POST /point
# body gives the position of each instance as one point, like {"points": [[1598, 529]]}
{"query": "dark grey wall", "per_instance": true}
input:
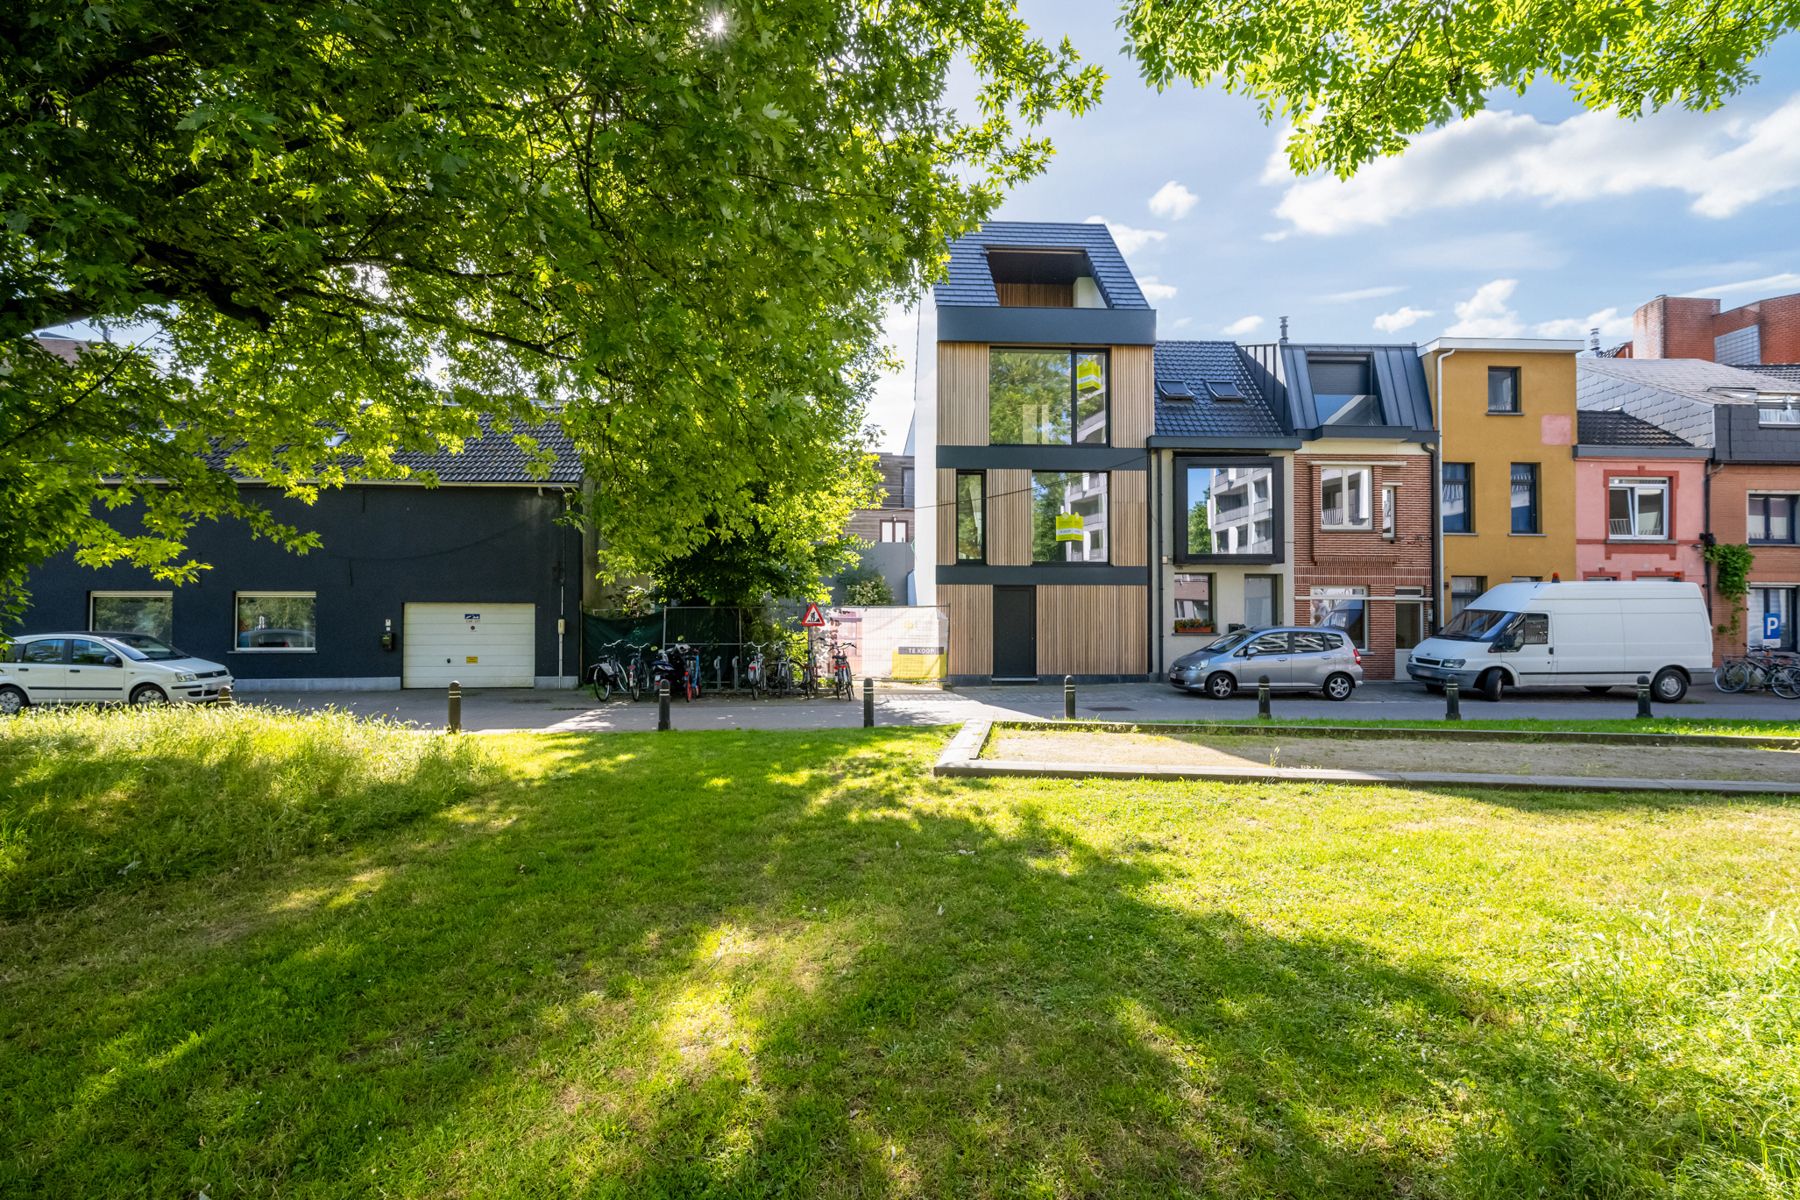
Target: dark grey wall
{"points": [[1739, 438], [383, 547]]}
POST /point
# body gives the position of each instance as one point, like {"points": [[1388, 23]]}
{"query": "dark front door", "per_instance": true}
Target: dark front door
{"points": [[1015, 633]]}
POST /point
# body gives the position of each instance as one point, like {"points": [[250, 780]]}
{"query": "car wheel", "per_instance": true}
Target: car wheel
{"points": [[1669, 686], [12, 701], [1221, 686], [1338, 686], [148, 693], [1598, 690], [1493, 685]]}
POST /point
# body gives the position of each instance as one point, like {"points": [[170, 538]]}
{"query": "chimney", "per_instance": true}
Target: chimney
{"points": [[1284, 331], [1594, 340]]}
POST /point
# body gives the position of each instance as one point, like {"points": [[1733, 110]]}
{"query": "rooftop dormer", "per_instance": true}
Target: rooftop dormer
{"points": [[1026, 283], [1044, 279]]}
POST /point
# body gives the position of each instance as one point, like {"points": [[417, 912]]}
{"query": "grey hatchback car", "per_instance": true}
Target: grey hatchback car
{"points": [[1294, 657]]}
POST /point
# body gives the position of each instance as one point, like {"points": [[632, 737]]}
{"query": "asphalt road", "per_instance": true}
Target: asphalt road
{"points": [[897, 705]]}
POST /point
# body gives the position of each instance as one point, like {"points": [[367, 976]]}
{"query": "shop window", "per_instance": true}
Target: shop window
{"points": [[1459, 501], [277, 621], [1344, 608], [1068, 516], [1046, 397], [971, 516], [133, 612], [1224, 511], [1772, 519], [1344, 498], [1193, 599], [1637, 509]]}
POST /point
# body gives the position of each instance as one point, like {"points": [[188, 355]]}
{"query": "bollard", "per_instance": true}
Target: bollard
{"points": [[1068, 697], [1644, 713], [1262, 698], [225, 700], [454, 721], [662, 705], [1452, 700], [868, 703]]}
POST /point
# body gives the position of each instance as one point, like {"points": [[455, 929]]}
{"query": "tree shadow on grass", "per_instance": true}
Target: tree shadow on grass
{"points": [[743, 965]]}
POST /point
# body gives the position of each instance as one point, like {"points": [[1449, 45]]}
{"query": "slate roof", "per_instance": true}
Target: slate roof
{"points": [[1677, 394], [969, 282], [1786, 371], [1621, 429], [1193, 364]]}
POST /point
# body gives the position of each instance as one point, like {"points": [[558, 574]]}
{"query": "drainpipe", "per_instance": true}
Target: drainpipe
{"points": [[1440, 600], [1153, 556]]}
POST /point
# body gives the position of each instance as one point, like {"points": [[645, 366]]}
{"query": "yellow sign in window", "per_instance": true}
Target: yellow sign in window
{"points": [[1068, 527], [473, 658]]}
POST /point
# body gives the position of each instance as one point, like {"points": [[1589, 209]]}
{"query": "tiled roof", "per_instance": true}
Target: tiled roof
{"points": [[1786, 371], [496, 457], [1676, 394], [970, 283], [1194, 364], [1621, 429]]}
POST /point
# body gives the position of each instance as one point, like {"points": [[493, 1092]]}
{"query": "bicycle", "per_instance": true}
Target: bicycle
{"points": [[753, 670], [613, 674], [1754, 672], [842, 685]]}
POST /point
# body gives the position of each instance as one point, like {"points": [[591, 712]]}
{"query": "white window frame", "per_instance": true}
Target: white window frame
{"points": [[892, 530], [1634, 484], [1390, 511], [1367, 523], [273, 595], [130, 594]]}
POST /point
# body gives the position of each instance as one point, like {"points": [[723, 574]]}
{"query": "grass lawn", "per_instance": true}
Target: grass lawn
{"points": [[1716, 726], [758, 964]]}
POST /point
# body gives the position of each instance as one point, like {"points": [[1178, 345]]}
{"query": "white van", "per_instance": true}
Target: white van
{"points": [[1594, 635]]}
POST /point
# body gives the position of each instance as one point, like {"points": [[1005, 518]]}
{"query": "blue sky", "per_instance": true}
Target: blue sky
{"points": [[1535, 219]]}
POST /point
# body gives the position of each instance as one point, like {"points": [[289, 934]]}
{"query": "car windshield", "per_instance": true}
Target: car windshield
{"points": [[1475, 625], [143, 647], [1230, 641]]}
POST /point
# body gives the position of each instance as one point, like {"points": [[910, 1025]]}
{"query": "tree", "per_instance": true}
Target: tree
{"points": [[348, 228], [1356, 78], [866, 587]]}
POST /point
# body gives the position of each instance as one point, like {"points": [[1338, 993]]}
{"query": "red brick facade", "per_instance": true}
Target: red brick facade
{"points": [[1774, 565], [1365, 558], [1685, 326]]}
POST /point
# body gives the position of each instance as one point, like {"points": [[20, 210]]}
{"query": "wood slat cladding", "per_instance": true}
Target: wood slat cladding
{"points": [[1133, 395], [946, 518], [1090, 629], [1036, 295], [1009, 518], [1129, 511], [971, 609], [962, 394]]}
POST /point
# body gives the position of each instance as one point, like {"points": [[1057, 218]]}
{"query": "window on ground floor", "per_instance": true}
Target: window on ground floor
{"points": [[1193, 596], [277, 621], [1344, 608], [133, 612], [1772, 617], [1262, 600], [1068, 516], [1465, 590]]}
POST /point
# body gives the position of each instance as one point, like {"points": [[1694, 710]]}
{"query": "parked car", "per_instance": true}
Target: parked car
{"points": [[104, 668], [1295, 658], [1596, 635]]}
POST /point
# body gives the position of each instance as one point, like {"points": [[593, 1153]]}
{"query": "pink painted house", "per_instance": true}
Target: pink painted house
{"points": [[1640, 500]]}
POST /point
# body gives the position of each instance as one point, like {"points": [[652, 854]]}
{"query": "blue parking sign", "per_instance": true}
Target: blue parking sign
{"points": [[1771, 627]]}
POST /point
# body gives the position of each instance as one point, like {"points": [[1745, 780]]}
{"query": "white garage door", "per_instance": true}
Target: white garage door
{"points": [[478, 645]]}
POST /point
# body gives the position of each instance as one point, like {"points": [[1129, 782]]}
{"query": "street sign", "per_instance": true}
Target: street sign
{"points": [[813, 618], [1772, 627]]}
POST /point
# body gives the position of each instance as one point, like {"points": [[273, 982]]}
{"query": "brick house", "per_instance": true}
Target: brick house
{"points": [[1640, 500], [1763, 331]]}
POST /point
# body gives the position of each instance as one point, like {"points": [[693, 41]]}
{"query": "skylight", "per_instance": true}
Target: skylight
{"points": [[1175, 389], [1224, 389]]}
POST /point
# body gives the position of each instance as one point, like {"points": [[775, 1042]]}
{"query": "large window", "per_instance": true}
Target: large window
{"points": [[1046, 397], [1343, 391], [1772, 519], [1465, 590], [971, 516], [1779, 602], [1503, 389], [277, 621], [1525, 498], [1344, 498], [1637, 509], [133, 612], [1344, 608], [1193, 596], [1459, 499], [1068, 517], [1226, 511]]}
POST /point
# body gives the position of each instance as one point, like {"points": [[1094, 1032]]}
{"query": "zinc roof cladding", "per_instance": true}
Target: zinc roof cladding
{"points": [[1672, 393], [969, 283], [1396, 369], [1613, 428], [1194, 363]]}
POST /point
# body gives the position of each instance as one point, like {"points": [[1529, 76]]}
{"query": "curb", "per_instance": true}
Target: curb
{"points": [[1445, 732]]}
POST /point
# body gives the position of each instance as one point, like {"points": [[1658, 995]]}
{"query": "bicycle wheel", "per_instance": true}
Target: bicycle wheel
{"points": [[1732, 676], [1785, 682]]}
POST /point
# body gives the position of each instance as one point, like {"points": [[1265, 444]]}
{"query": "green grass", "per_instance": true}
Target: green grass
{"points": [[753, 964], [1716, 726]]}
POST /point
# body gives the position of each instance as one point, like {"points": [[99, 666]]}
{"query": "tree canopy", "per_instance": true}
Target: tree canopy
{"points": [[1357, 78], [352, 226]]}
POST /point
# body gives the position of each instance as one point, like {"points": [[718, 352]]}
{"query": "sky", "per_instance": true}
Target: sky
{"points": [[1534, 219]]}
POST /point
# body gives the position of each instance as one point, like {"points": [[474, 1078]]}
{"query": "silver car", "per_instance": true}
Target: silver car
{"points": [[1295, 658], [104, 668]]}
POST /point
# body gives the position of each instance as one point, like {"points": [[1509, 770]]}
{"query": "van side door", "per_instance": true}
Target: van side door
{"points": [[1534, 660]]}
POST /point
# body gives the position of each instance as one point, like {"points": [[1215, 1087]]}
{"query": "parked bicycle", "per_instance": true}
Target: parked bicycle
{"points": [[842, 686], [1779, 673], [616, 673]]}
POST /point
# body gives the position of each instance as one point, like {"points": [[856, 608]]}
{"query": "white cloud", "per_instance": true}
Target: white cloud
{"points": [[1129, 240], [1242, 326], [1768, 285], [1172, 201], [1368, 293], [1611, 323], [1402, 317], [1724, 164], [1155, 289], [1487, 313]]}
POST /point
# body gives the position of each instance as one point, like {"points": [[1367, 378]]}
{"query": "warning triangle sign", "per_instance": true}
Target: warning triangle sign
{"points": [[813, 618]]}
